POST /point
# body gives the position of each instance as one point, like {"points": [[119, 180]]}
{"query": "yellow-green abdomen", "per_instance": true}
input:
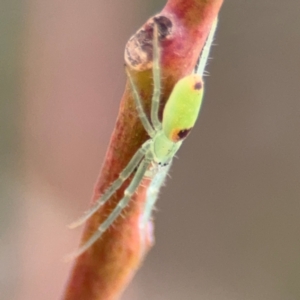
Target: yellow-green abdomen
{"points": [[182, 108]]}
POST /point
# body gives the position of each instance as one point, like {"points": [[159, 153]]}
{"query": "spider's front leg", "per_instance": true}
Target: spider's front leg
{"points": [[139, 107], [155, 125], [156, 79]]}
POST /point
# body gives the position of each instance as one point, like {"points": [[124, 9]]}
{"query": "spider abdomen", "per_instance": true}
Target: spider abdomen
{"points": [[182, 108]]}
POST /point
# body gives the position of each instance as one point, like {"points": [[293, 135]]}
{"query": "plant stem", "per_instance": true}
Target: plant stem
{"points": [[106, 268]]}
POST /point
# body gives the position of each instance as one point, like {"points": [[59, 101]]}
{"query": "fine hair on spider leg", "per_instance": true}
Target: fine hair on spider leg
{"points": [[151, 196], [203, 58], [156, 79]]}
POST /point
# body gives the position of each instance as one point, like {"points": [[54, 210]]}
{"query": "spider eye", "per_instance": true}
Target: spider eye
{"points": [[182, 108]]}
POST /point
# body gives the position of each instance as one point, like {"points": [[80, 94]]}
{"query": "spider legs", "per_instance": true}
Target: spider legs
{"points": [[141, 160], [139, 107], [156, 124], [156, 80], [206, 49], [133, 163], [136, 180], [151, 198]]}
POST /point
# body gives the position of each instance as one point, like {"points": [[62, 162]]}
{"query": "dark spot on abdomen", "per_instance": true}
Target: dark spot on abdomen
{"points": [[183, 133], [198, 85]]}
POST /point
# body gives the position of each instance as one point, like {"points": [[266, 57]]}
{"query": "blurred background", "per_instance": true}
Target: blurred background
{"points": [[228, 221]]}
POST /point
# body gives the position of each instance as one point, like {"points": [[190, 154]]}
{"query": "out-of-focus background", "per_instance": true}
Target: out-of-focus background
{"points": [[228, 221]]}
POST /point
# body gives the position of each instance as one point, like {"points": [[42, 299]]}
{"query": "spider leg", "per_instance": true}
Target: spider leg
{"points": [[151, 198], [156, 80], [136, 180], [206, 49], [139, 107], [133, 163]]}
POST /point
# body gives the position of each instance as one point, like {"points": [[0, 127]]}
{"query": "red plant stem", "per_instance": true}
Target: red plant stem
{"points": [[106, 268]]}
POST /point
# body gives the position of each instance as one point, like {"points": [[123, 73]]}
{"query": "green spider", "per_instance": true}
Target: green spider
{"points": [[154, 157]]}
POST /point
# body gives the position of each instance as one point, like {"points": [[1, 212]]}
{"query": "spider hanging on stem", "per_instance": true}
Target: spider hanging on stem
{"points": [[154, 157]]}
